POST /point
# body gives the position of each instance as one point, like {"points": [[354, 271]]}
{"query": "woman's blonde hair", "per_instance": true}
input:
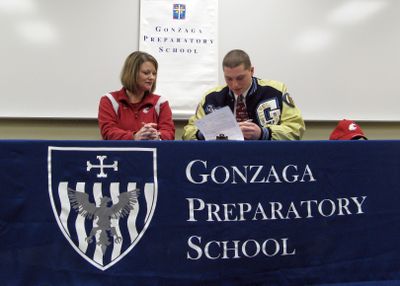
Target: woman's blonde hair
{"points": [[131, 69]]}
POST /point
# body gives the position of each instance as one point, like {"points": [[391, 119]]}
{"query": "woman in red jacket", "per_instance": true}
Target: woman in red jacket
{"points": [[135, 112]]}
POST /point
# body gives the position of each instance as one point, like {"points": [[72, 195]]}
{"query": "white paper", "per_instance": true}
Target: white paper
{"points": [[221, 121]]}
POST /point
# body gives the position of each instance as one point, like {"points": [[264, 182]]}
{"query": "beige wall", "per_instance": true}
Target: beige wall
{"points": [[87, 129]]}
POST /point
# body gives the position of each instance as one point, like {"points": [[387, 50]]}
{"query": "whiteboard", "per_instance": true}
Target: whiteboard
{"points": [[339, 58], [58, 57]]}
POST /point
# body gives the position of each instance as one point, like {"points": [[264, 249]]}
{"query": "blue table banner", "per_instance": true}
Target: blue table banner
{"points": [[199, 213]]}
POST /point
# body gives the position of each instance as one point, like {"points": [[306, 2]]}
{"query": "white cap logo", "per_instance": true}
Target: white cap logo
{"points": [[352, 126]]}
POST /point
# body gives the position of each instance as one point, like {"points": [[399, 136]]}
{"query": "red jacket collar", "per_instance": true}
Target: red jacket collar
{"points": [[122, 97]]}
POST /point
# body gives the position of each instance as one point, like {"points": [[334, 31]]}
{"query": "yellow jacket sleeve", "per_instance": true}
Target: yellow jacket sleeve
{"points": [[190, 130]]}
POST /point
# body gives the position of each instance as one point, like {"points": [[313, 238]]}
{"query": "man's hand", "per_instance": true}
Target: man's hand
{"points": [[250, 130]]}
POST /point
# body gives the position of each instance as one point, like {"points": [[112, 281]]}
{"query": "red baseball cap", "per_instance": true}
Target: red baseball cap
{"points": [[347, 130]]}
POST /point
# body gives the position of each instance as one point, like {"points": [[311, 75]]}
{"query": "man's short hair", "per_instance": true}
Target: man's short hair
{"points": [[235, 58]]}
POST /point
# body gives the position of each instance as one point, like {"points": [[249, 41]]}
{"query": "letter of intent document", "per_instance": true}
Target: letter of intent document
{"points": [[220, 121]]}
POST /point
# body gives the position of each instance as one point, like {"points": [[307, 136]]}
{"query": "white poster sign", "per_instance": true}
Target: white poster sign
{"points": [[182, 36]]}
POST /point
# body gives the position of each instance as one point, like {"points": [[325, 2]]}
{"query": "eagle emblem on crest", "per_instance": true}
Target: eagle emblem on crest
{"points": [[103, 213]]}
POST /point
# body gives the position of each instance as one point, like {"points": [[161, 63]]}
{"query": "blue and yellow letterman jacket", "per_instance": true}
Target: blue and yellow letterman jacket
{"points": [[268, 105]]}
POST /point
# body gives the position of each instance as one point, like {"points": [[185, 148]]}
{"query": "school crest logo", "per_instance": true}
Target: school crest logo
{"points": [[103, 199], [179, 11]]}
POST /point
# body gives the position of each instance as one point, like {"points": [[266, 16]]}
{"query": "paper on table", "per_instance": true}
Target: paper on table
{"points": [[221, 121]]}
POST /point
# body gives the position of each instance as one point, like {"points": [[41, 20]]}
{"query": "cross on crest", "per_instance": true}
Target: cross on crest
{"points": [[101, 166]]}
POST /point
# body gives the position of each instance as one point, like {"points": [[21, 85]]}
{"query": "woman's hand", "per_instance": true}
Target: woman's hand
{"points": [[147, 132]]}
